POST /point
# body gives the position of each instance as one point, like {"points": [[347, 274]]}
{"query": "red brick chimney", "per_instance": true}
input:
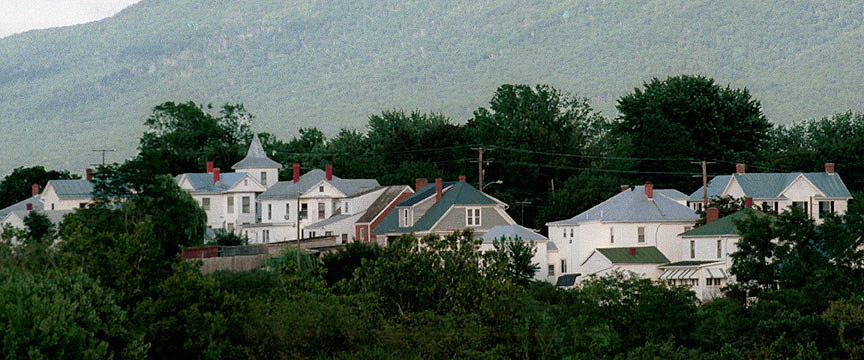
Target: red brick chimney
{"points": [[209, 166], [296, 168], [739, 168], [748, 202], [625, 188], [89, 173], [329, 170], [649, 190], [216, 175], [420, 183], [829, 168], [711, 214], [439, 184], [462, 178], [632, 251], [29, 207], [34, 189]]}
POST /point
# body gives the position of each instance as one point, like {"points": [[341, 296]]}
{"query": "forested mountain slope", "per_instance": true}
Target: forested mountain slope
{"points": [[330, 64]]}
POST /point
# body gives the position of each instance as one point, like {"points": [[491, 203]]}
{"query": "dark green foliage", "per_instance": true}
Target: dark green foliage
{"points": [[17, 186], [689, 117], [726, 205], [230, 239], [39, 228], [342, 264], [58, 315], [182, 137]]}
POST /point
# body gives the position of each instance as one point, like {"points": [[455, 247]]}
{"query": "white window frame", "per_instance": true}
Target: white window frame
{"points": [[405, 217], [230, 204], [246, 204], [473, 216], [692, 249], [264, 178], [719, 249], [205, 203], [640, 234]]}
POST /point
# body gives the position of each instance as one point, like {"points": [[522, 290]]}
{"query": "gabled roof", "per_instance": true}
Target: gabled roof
{"points": [[290, 189], [389, 195], [458, 193], [771, 185], [256, 158], [644, 255], [203, 182], [72, 189], [424, 193], [634, 205], [511, 232], [22, 205], [722, 226], [55, 216]]}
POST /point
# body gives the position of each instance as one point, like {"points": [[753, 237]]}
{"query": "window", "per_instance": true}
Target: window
{"points": [[776, 206], [205, 203], [363, 234], [571, 232], [611, 235], [405, 220], [246, 202], [825, 208], [472, 216], [346, 207], [52, 206], [231, 227], [563, 266], [800, 204], [699, 206], [230, 204], [245, 182], [264, 178], [692, 249], [287, 211], [641, 234], [344, 238], [304, 211], [565, 233], [321, 188], [551, 270], [328, 233], [82, 205], [269, 211], [266, 236], [311, 234], [719, 249], [320, 210]]}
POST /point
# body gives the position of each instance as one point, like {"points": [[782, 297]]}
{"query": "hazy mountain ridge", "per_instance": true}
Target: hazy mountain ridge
{"points": [[331, 64]]}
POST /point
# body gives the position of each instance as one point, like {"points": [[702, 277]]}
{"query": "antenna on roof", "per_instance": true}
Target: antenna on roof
{"points": [[103, 151]]}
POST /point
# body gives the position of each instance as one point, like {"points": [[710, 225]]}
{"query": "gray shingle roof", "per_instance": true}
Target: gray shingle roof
{"points": [[770, 185], [203, 182], [460, 193], [55, 216], [290, 190], [22, 205], [550, 246], [511, 232], [634, 205], [72, 189], [256, 158], [389, 194]]}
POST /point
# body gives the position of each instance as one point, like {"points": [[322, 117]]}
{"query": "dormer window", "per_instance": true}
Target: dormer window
{"points": [[405, 217], [264, 178], [472, 216]]}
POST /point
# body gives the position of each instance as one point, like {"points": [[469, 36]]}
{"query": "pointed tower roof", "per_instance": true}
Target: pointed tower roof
{"points": [[256, 158]]}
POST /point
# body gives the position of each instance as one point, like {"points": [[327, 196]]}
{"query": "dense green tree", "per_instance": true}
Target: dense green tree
{"points": [[684, 118], [342, 264], [182, 137], [17, 186], [39, 228]]}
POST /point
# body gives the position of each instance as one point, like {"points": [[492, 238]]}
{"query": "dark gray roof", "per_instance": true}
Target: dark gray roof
{"points": [[72, 189], [511, 232], [256, 158], [634, 205], [567, 280], [22, 205], [290, 189], [380, 204], [203, 182], [770, 185]]}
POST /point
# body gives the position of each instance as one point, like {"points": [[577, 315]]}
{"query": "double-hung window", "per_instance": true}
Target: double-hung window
{"points": [[825, 208], [264, 178], [641, 234], [321, 210], [472, 216], [246, 202], [205, 203], [269, 211], [230, 204]]}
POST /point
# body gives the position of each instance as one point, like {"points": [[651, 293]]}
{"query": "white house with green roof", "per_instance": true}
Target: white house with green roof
{"points": [[442, 208], [641, 260], [817, 193], [706, 255], [638, 217], [67, 194]]}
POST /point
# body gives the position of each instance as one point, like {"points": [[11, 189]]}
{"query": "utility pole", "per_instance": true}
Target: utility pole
{"points": [[103, 151], [479, 167], [523, 210], [704, 181]]}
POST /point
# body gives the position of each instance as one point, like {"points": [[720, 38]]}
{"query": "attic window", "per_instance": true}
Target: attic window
{"points": [[321, 188]]}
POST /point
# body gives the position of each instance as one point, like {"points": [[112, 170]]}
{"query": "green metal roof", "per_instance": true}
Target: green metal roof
{"points": [[72, 189], [722, 226], [644, 255], [459, 194]]}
